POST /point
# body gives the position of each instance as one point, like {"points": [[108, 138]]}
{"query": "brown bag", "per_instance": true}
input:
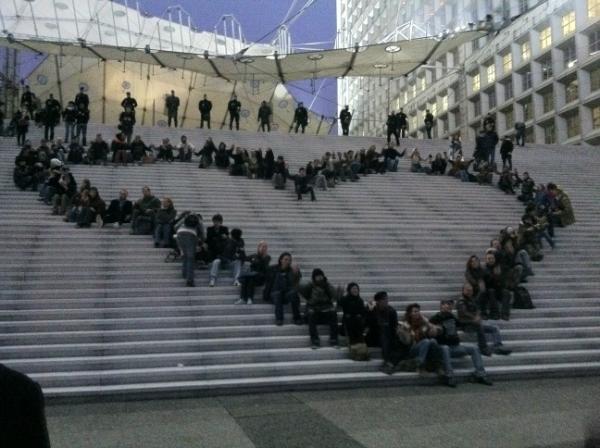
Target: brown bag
{"points": [[359, 352]]}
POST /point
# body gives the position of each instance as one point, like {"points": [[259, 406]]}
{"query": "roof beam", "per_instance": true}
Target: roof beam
{"points": [[91, 50], [11, 40], [215, 68], [279, 69], [153, 56], [352, 60]]}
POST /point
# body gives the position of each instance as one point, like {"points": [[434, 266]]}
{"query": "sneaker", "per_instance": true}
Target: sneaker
{"points": [[211, 283], [448, 381], [482, 380], [315, 344], [236, 283], [116, 225], [249, 302], [334, 343], [279, 323], [485, 351], [99, 221], [240, 302], [500, 350], [387, 368], [190, 283], [297, 321]]}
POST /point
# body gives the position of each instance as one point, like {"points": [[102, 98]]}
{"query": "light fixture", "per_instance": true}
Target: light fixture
{"points": [[279, 56], [380, 66], [315, 57], [392, 48], [120, 13], [357, 48], [246, 60]]}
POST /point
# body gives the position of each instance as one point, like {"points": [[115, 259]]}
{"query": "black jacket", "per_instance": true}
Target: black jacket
{"points": [[82, 98], [234, 106], [120, 210], [216, 240], [449, 324], [205, 107], [301, 115], [129, 102], [172, 103], [264, 112]]}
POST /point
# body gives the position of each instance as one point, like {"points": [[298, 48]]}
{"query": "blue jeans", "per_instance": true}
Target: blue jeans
{"points": [[236, 265], [420, 350], [81, 131], [189, 262], [280, 298], [69, 131], [482, 331], [162, 234], [458, 351]]}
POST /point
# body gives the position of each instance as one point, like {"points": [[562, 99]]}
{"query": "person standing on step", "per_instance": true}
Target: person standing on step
{"points": [[488, 141], [234, 107], [187, 241], [402, 122], [29, 101], [471, 321], [300, 117], [172, 106], [129, 102], [520, 133], [429, 121], [321, 302], [264, 116], [69, 119], [506, 150], [82, 117], [126, 123], [22, 127], [392, 127], [82, 98], [449, 341], [205, 106], [283, 288], [51, 117], [256, 274], [489, 120], [345, 119]]}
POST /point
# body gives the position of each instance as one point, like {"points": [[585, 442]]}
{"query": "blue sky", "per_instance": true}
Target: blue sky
{"points": [[257, 18]]}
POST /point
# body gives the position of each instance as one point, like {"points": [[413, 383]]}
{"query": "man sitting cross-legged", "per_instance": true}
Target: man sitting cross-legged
{"points": [[449, 341], [142, 219], [321, 301]]}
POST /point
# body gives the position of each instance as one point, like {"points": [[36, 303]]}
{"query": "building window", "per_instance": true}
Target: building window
{"points": [[509, 120], [507, 62], [572, 91], [593, 8], [567, 23], [476, 108], [545, 38], [406, 96], [414, 90], [522, 6], [548, 101], [457, 119], [528, 110], [546, 69], [476, 82], [526, 77], [491, 73], [570, 53], [573, 128], [596, 117], [525, 51], [595, 79], [423, 83], [492, 99], [594, 40], [445, 103], [550, 134], [508, 90], [433, 109]]}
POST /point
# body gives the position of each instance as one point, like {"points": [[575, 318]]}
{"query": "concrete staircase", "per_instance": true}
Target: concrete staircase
{"points": [[91, 312]]}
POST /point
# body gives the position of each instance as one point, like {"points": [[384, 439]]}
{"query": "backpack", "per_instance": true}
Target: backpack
{"points": [[359, 352], [522, 299]]}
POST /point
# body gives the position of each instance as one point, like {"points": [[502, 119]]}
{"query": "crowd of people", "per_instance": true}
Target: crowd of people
{"points": [[490, 287]]}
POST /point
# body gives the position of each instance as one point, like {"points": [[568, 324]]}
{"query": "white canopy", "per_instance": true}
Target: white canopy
{"points": [[110, 31]]}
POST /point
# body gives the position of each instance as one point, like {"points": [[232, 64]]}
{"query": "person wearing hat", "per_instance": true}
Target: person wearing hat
{"points": [[321, 301], [449, 341], [345, 119], [382, 331]]}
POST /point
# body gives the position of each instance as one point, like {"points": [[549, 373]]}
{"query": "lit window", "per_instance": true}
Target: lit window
{"points": [[572, 91], [595, 79], [570, 54], [508, 118], [528, 110], [546, 38], [423, 83], [546, 66], [445, 103], [507, 62], [594, 41], [491, 73], [476, 82], [414, 90], [596, 117], [550, 134], [433, 109], [525, 51], [567, 23], [548, 101], [593, 8]]}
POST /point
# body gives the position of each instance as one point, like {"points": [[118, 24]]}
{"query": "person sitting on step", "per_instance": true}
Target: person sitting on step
{"points": [[222, 156], [321, 302], [139, 150], [206, 153], [562, 211], [424, 345], [496, 299], [119, 147], [527, 188], [439, 164], [449, 341], [120, 210], [92, 210], [255, 275], [280, 173], [415, 162], [142, 217], [98, 151], [65, 189], [233, 256], [391, 158], [185, 150], [354, 314], [301, 185], [471, 321], [216, 237], [163, 223], [165, 151], [281, 288]]}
